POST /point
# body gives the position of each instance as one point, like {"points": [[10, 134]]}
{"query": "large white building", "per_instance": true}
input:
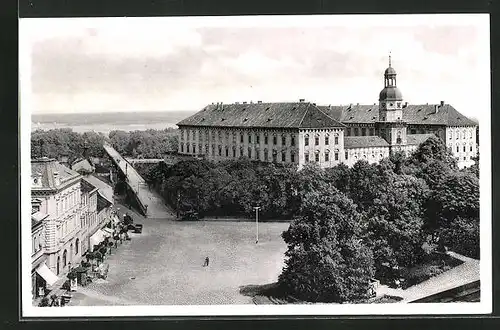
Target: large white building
{"points": [[302, 132]]}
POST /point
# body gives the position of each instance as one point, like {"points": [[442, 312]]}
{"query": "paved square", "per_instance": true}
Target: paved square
{"points": [[164, 264]]}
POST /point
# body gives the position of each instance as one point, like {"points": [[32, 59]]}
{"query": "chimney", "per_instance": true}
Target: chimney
{"points": [[259, 101], [57, 180], [302, 100], [436, 108], [406, 104], [244, 102], [442, 103]]}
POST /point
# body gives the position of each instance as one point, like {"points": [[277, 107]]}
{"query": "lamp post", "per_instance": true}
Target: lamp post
{"points": [[256, 208]]}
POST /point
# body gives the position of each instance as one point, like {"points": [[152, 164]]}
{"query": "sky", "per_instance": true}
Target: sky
{"points": [[167, 64]]}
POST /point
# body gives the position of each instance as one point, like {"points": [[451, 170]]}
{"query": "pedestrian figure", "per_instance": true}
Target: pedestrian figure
{"points": [[207, 260]]}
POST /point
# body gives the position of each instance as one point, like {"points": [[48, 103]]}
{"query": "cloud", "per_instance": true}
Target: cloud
{"points": [[89, 66]]}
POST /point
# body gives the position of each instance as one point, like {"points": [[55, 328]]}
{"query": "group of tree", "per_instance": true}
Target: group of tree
{"points": [[145, 144], [349, 224], [64, 142]]}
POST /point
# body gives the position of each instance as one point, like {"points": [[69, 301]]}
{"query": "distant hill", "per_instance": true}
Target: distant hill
{"points": [[115, 118]]}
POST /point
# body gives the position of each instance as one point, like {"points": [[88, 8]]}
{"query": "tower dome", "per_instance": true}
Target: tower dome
{"points": [[390, 92]]}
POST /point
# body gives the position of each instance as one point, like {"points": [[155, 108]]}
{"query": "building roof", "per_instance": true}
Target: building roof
{"points": [[104, 189], [102, 203], [416, 114], [417, 139], [86, 186], [46, 167], [37, 218], [352, 142], [82, 164], [269, 115]]}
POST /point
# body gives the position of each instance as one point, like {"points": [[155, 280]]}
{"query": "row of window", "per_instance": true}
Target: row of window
{"points": [[242, 137], [363, 131], [464, 148], [461, 135], [233, 152], [67, 226], [316, 140], [65, 259], [326, 156], [66, 202], [88, 220]]}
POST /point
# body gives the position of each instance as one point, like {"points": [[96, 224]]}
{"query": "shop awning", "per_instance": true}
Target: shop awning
{"points": [[96, 238], [47, 274]]}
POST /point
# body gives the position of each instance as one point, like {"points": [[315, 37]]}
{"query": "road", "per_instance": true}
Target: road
{"points": [[156, 206]]}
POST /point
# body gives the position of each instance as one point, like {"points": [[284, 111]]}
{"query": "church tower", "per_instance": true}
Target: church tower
{"points": [[390, 125]]}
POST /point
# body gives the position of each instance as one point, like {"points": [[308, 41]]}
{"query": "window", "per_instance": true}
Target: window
{"points": [[194, 148], [283, 156], [372, 131], [275, 156], [414, 131], [241, 151], [292, 157], [213, 150], [258, 138], [316, 140], [327, 156], [65, 258], [464, 158], [241, 138], [381, 156], [336, 156], [336, 140], [58, 265], [249, 152], [275, 140], [234, 152], [327, 140], [458, 148], [266, 155], [346, 155], [306, 157], [220, 150], [398, 140], [464, 148], [249, 138], [316, 157], [292, 142], [356, 133], [348, 131], [206, 149], [283, 140], [182, 135], [457, 135], [399, 104], [306, 140], [363, 131], [266, 140], [187, 148], [471, 148], [227, 152]]}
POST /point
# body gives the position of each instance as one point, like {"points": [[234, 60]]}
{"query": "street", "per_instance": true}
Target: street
{"points": [[164, 264]]}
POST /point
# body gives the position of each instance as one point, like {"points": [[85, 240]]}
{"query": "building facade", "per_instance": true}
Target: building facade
{"points": [[303, 132], [56, 189]]}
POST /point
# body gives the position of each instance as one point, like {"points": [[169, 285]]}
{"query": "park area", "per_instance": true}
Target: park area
{"points": [[165, 264]]}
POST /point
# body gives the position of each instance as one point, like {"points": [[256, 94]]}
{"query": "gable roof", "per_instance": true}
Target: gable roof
{"points": [[417, 139], [413, 114], [86, 186], [84, 164], [46, 168], [352, 142], [104, 189], [269, 115], [102, 203]]}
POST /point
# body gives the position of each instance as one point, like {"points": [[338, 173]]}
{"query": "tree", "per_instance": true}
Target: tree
{"points": [[394, 221], [326, 259]]}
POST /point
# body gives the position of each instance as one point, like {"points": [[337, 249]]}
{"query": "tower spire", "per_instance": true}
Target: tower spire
{"points": [[389, 59]]}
